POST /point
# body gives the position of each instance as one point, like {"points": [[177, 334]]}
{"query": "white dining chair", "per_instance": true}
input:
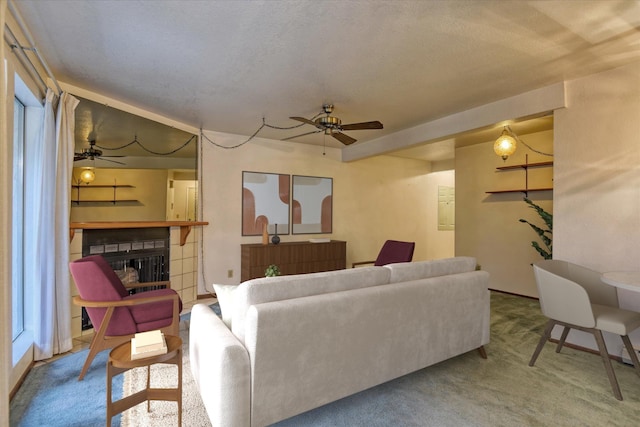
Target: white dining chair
{"points": [[574, 297]]}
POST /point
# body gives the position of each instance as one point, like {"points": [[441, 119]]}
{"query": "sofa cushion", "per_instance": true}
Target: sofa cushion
{"points": [[406, 271], [280, 288], [226, 300]]}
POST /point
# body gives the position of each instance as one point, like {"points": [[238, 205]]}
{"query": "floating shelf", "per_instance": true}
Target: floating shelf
{"points": [[77, 202], [103, 186], [523, 190], [525, 166], [113, 200]]}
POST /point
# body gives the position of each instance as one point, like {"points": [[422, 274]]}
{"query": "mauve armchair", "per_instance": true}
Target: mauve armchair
{"points": [[117, 315], [392, 251]]}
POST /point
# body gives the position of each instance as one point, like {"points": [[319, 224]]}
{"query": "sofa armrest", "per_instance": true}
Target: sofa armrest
{"points": [[220, 368]]}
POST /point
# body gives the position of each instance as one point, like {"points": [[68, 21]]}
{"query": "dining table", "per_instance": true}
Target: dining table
{"points": [[629, 280]]}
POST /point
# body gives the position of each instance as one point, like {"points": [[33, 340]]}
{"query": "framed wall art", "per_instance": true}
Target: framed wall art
{"points": [[312, 205], [265, 200]]}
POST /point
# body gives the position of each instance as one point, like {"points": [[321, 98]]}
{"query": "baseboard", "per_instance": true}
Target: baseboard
{"points": [[625, 356], [514, 294], [15, 389]]}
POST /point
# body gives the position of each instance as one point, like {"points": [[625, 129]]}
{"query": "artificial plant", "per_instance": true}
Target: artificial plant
{"points": [[272, 271], [544, 234]]}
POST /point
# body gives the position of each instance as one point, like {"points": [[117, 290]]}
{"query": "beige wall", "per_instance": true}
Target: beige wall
{"points": [[487, 226], [149, 189], [374, 199], [597, 178]]}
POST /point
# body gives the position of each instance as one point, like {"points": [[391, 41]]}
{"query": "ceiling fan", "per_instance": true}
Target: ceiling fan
{"points": [[333, 126], [92, 153]]}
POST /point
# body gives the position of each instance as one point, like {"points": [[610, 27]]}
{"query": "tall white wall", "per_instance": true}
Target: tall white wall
{"points": [[597, 178], [373, 200]]}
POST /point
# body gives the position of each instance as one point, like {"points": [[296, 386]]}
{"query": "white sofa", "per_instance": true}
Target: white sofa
{"points": [[299, 342]]}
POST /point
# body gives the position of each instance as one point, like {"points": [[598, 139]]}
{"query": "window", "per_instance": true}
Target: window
{"points": [[17, 292], [27, 124]]}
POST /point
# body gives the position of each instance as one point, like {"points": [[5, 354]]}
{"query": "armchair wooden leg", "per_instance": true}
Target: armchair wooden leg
{"points": [[607, 364], [94, 349], [543, 339], [565, 332], [97, 343], [632, 353]]}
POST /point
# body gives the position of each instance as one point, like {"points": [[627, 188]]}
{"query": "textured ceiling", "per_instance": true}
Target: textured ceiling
{"points": [[226, 65]]}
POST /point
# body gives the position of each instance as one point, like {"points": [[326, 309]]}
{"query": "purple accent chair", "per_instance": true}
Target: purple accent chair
{"points": [[115, 314], [392, 251]]}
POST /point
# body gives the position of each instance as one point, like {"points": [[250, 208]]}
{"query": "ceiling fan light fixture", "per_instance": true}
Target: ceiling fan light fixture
{"points": [[333, 126], [505, 145], [329, 122], [87, 176]]}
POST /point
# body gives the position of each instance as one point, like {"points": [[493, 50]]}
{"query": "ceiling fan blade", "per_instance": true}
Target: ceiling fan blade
{"points": [[345, 139], [364, 125], [307, 121], [77, 157], [304, 134]]}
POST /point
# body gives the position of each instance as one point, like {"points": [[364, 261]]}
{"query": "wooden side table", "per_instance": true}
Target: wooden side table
{"points": [[120, 361]]}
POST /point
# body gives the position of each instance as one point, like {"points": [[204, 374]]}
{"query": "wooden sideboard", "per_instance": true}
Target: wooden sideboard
{"points": [[292, 257]]}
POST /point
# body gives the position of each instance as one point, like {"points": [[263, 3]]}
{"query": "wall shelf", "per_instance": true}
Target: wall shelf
{"points": [[525, 166], [112, 200], [522, 190]]}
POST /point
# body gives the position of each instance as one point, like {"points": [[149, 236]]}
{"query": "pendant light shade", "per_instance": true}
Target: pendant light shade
{"points": [[87, 176], [505, 145]]}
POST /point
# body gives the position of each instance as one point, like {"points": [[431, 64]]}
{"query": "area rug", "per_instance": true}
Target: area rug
{"points": [[165, 413], [567, 389]]}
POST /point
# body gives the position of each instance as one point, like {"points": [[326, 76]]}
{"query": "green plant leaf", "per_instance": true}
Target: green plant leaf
{"points": [[544, 234], [272, 271]]}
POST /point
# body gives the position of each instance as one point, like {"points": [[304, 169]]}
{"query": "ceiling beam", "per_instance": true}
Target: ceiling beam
{"points": [[535, 103]]}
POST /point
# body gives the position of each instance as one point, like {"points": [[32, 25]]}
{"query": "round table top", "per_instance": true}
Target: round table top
{"points": [[629, 280], [121, 355]]}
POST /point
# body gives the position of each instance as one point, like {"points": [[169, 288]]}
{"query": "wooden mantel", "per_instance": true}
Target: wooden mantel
{"points": [[185, 226]]}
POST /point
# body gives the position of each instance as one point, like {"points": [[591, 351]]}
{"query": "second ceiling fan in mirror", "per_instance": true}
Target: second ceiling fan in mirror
{"points": [[333, 126], [93, 153]]}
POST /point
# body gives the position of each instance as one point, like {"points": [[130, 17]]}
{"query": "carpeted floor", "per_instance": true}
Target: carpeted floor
{"points": [[567, 389], [52, 396]]}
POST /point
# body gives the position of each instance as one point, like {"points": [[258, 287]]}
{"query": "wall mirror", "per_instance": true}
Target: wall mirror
{"points": [[265, 200], [153, 165], [312, 205]]}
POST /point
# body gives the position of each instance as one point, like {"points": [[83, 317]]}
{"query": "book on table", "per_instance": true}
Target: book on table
{"points": [[146, 344]]}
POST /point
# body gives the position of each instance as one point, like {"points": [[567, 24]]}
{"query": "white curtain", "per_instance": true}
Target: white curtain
{"points": [[65, 143], [52, 166]]}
